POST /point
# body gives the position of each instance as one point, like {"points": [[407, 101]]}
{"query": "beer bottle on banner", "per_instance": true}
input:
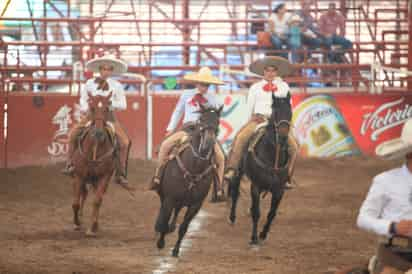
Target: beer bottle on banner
{"points": [[321, 129]]}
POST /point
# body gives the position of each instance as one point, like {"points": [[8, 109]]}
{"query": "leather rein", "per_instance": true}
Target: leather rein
{"points": [[278, 146], [191, 178], [95, 160]]}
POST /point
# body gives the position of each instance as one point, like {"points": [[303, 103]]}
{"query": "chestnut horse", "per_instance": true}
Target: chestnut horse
{"points": [[94, 160]]}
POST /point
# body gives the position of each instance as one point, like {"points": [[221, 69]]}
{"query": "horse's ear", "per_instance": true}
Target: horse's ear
{"points": [[109, 95], [288, 96], [202, 107], [274, 100], [273, 97], [220, 109]]}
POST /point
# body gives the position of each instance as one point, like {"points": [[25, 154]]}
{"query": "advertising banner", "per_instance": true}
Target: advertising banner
{"points": [[331, 125], [348, 124]]}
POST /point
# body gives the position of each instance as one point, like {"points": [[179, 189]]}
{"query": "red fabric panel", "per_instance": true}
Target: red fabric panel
{"points": [[37, 134], [163, 107], [2, 140]]}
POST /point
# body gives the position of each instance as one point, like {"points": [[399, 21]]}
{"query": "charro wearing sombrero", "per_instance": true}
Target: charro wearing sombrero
{"points": [[259, 108], [103, 85], [387, 209], [189, 105]]}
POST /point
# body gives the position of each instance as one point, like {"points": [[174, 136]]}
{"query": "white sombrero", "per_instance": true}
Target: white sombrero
{"points": [[282, 64], [398, 147], [119, 66], [204, 75]]}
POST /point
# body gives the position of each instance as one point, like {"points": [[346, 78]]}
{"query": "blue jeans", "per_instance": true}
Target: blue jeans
{"points": [[336, 40], [311, 43], [278, 44]]}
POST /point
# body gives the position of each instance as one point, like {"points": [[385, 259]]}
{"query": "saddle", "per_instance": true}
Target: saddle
{"points": [[109, 128], [251, 149]]}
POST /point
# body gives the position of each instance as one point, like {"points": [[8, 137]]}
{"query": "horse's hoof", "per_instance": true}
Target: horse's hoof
{"points": [[232, 220], [262, 236], [160, 243], [90, 233], [254, 242], [175, 253], [77, 227]]}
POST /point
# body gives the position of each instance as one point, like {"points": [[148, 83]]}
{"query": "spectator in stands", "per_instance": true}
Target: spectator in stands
{"points": [[329, 22], [279, 28], [311, 36]]}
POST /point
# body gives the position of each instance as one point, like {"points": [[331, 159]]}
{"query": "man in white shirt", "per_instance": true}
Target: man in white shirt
{"points": [[103, 85], [387, 209], [189, 106], [259, 109]]}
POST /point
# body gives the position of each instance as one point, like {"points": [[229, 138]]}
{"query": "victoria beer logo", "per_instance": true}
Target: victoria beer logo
{"points": [[385, 117]]}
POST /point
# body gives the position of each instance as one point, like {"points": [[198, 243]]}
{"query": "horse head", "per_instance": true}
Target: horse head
{"points": [[208, 125], [281, 116], [99, 109]]}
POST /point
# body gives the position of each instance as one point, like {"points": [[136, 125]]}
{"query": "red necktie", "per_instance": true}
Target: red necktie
{"points": [[198, 99], [270, 87]]}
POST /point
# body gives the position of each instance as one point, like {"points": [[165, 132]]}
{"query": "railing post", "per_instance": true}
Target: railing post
{"points": [[410, 44], [149, 121]]}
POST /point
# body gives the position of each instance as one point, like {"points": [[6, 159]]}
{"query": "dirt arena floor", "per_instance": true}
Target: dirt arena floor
{"points": [[314, 231]]}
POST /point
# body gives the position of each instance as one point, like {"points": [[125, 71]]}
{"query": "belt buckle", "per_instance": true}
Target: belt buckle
{"points": [[400, 242]]}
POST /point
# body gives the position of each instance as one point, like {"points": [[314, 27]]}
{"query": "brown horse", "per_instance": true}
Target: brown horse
{"points": [[94, 160], [187, 178]]}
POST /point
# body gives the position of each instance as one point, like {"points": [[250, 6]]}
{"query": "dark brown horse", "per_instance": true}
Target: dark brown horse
{"points": [[187, 178], [265, 163], [94, 160]]}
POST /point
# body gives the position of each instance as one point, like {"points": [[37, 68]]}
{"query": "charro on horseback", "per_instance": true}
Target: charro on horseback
{"points": [[103, 85]]}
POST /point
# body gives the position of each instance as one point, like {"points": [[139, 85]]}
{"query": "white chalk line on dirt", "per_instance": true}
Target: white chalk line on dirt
{"points": [[168, 263]]}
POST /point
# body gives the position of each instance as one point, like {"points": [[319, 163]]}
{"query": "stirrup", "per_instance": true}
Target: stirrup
{"points": [[121, 179], [154, 183], [68, 170], [229, 174]]}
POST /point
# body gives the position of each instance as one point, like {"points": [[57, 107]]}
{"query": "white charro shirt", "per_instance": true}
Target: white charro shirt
{"points": [[118, 98], [389, 200], [189, 108], [260, 101]]}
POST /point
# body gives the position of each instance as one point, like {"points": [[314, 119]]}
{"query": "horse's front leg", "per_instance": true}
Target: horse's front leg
{"points": [[255, 193], [98, 199], [162, 222], [276, 198], [234, 186], [83, 196], [172, 225], [77, 185], [190, 214]]}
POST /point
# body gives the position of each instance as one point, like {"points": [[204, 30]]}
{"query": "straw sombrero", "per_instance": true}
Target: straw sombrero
{"points": [[204, 75], [398, 147], [119, 66], [283, 65]]}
